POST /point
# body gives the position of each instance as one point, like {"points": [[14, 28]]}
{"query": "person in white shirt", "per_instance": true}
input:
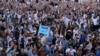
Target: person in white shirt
{"points": [[75, 31], [11, 49], [95, 19], [36, 18], [89, 46], [66, 20], [9, 39], [70, 50], [43, 40], [98, 1], [84, 16], [28, 2]]}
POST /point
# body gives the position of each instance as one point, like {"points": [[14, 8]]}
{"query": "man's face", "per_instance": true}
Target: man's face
{"points": [[76, 35], [12, 43], [52, 46], [22, 50], [71, 47], [28, 47]]}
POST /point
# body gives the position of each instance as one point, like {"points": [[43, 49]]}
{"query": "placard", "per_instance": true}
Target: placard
{"points": [[44, 29]]}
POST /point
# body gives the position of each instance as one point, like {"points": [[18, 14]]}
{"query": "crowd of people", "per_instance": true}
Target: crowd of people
{"points": [[74, 28]]}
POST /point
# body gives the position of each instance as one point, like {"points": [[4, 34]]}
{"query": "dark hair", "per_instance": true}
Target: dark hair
{"points": [[11, 41], [2, 28], [27, 45]]}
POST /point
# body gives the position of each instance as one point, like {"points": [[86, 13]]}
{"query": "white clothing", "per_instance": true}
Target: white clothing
{"points": [[95, 21], [44, 15], [30, 28], [98, 1], [75, 31], [9, 51], [8, 40], [84, 16], [72, 51], [19, 16], [89, 46], [25, 40], [66, 20], [28, 2], [35, 16], [43, 40]]}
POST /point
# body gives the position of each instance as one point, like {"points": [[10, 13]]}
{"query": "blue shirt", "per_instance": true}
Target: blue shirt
{"points": [[97, 52], [82, 39], [49, 39], [47, 49]]}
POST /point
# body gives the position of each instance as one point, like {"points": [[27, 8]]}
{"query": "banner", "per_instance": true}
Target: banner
{"points": [[44, 29]]}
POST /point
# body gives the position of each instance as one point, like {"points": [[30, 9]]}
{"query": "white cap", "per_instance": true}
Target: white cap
{"points": [[89, 35], [29, 37], [69, 30], [61, 36]]}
